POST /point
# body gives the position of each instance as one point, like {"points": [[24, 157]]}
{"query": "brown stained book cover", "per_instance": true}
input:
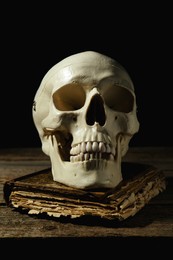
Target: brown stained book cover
{"points": [[37, 193]]}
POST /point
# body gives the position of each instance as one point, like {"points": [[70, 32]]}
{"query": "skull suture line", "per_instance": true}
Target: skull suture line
{"points": [[85, 114]]}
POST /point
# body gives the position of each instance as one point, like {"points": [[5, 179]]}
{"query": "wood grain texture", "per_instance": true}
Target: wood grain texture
{"points": [[155, 220]]}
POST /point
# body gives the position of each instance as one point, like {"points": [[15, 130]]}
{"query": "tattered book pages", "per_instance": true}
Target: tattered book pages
{"points": [[37, 193]]}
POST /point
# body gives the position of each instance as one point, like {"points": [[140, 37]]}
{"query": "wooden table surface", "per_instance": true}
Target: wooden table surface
{"points": [[155, 220]]}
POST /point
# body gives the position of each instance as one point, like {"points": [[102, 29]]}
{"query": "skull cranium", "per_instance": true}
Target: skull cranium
{"points": [[85, 114]]}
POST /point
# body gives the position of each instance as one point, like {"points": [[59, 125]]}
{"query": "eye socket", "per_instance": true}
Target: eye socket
{"points": [[69, 98], [119, 99]]}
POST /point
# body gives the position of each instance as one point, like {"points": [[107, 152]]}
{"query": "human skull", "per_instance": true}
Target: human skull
{"points": [[85, 114]]}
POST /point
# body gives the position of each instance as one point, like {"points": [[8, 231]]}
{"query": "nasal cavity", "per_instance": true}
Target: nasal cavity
{"points": [[96, 112]]}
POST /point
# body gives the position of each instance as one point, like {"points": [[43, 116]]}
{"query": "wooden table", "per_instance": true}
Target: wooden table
{"points": [[154, 221]]}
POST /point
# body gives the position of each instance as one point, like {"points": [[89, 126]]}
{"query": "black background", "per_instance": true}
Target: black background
{"points": [[33, 39]]}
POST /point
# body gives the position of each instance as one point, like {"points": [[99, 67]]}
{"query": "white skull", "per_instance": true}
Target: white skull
{"points": [[85, 114]]}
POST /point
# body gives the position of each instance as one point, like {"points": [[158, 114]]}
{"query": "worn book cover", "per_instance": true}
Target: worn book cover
{"points": [[37, 193]]}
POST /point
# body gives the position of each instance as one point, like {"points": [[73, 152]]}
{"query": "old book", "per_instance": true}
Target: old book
{"points": [[37, 193]]}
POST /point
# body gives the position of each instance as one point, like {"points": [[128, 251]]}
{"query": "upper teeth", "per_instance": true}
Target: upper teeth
{"points": [[92, 147]]}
